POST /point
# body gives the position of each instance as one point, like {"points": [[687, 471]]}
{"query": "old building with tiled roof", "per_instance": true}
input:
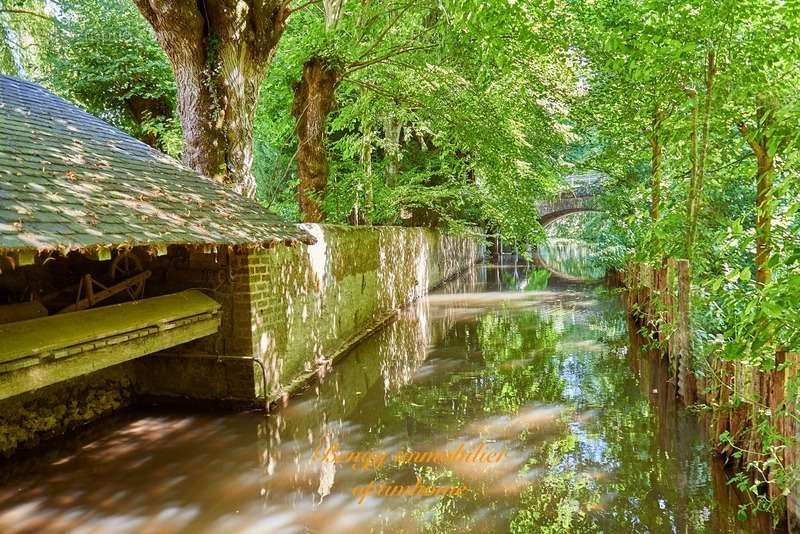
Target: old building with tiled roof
{"points": [[69, 180], [127, 278], [111, 251]]}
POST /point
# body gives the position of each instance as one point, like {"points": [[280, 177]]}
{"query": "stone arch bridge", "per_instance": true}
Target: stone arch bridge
{"points": [[578, 198]]}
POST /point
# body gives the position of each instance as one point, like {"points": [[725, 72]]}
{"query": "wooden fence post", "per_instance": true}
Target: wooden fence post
{"points": [[683, 340], [785, 402], [671, 316]]}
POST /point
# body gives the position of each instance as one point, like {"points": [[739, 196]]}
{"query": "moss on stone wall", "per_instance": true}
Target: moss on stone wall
{"points": [[306, 302], [29, 419]]}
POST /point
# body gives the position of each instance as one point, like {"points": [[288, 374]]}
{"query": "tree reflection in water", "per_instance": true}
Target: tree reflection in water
{"points": [[594, 440]]}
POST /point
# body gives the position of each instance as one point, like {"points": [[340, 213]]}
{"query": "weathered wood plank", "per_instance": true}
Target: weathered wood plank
{"points": [[38, 376], [46, 335]]}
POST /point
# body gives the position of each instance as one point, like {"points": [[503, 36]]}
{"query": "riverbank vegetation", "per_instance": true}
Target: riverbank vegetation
{"points": [[461, 114], [695, 111]]}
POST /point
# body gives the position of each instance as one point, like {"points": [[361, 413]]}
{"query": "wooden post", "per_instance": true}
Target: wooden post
{"points": [[683, 341], [790, 430], [671, 315], [632, 284], [661, 306], [777, 405]]}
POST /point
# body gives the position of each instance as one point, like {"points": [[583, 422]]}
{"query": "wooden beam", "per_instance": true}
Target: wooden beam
{"points": [[46, 335], [38, 376], [87, 283]]}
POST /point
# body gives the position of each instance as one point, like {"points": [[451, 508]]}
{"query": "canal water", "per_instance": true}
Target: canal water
{"points": [[507, 401]]}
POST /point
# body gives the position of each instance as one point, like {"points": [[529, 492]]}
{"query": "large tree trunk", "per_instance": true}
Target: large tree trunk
{"points": [[759, 142], [220, 51], [313, 100]]}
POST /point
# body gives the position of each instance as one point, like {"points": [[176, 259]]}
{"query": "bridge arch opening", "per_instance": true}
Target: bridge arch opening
{"points": [[570, 252]]}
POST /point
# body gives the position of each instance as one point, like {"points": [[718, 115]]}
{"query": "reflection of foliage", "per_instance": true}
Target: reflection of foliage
{"points": [[632, 454], [560, 501], [629, 463], [515, 348], [573, 258], [516, 368], [537, 279], [443, 517]]}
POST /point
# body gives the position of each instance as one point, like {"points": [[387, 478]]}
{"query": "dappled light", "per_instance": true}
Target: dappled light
{"points": [[541, 379], [104, 188], [399, 266]]}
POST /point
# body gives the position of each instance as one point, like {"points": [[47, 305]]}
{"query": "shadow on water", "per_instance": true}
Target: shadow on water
{"points": [[537, 370]]}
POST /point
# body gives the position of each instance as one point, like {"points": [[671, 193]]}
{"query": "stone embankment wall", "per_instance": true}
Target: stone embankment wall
{"points": [[299, 307]]}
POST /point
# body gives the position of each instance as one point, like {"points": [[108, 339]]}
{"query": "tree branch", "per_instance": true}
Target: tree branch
{"points": [[27, 12], [360, 65], [385, 30], [303, 6]]}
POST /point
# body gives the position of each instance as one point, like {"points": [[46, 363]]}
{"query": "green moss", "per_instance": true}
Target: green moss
{"points": [[57, 410]]}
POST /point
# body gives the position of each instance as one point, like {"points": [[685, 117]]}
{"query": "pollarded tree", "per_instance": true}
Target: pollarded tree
{"points": [[220, 51], [338, 40], [451, 69]]}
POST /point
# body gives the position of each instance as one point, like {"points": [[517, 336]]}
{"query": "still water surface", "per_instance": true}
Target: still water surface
{"points": [[540, 372], [571, 258]]}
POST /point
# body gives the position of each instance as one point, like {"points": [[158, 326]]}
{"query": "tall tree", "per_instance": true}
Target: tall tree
{"points": [[348, 38], [220, 51]]}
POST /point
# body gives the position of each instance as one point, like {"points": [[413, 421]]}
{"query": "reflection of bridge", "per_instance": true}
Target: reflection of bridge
{"points": [[581, 196]]}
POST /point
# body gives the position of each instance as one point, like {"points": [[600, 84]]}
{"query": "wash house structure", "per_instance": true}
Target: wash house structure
{"points": [[111, 251], [125, 276]]}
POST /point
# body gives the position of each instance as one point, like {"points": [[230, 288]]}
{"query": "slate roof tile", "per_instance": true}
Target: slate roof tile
{"points": [[68, 180]]}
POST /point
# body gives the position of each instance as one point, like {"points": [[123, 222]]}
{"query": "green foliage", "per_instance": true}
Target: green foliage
{"points": [[643, 58], [101, 55], [105, 57], [25, 27], [481, 117], [463, 113]]}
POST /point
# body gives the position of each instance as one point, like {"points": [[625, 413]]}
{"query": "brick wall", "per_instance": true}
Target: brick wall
{"points": [[296, 307]]}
